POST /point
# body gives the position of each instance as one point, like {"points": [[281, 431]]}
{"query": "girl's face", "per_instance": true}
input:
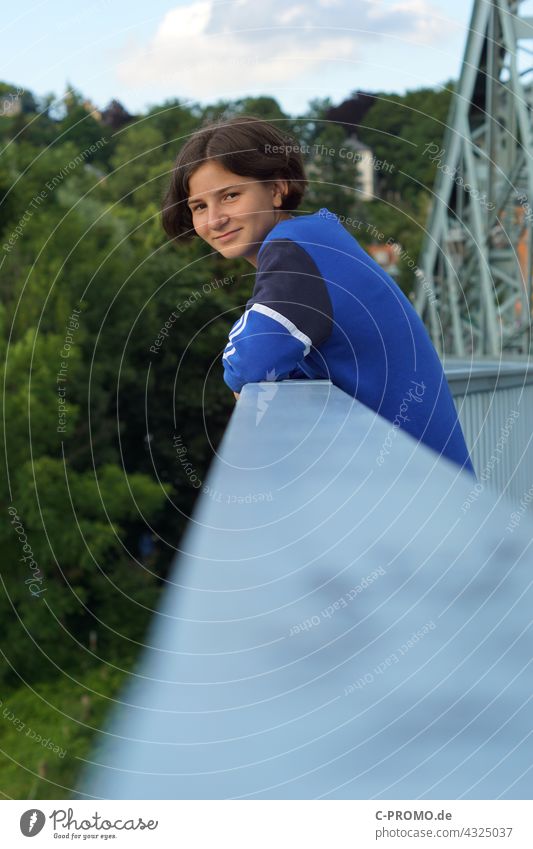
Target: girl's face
{"points": [[233, 214]]}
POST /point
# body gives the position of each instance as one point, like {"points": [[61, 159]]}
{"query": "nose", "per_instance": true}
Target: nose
{"points": [[217, 220]]}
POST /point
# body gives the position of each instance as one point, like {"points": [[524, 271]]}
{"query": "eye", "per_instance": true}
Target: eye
{"points": [[235, 194], [196, 208]]}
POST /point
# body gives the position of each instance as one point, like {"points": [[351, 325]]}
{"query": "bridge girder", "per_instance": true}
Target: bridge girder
{"points": [[474, 285]]}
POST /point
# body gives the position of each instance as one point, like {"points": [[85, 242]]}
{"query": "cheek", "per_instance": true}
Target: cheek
{"points": [[199, 227]]}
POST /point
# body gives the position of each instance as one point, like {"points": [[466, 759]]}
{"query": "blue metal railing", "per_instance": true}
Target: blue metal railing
{"points": [[332, 628], [494, 400]]}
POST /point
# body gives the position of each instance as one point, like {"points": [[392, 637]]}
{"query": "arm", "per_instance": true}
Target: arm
{"points": [[289, 313], [297, 374]]}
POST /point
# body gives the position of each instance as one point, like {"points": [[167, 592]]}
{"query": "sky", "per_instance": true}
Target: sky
{"points": [[142, 53]]}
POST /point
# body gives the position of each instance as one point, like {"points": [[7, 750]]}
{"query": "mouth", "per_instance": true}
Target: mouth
{"points": [[225, 237]]}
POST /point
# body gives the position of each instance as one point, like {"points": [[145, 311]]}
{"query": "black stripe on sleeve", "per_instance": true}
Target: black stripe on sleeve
{"points": [[289, 282]]}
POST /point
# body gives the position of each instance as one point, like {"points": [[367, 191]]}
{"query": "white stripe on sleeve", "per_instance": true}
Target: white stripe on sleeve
{"points": [[241, 324], [286, 322]]}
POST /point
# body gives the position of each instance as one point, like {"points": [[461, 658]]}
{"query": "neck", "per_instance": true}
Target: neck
{"points": [[280, 216], [283, 216]]}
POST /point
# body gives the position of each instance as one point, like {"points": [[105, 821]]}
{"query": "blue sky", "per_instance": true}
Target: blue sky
{"points": [[206, 50]]}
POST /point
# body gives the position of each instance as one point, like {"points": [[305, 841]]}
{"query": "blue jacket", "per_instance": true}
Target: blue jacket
{"points": [[322, 308]]}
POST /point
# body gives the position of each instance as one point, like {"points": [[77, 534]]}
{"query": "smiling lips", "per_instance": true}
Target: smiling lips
{"points": [[228, 235]]}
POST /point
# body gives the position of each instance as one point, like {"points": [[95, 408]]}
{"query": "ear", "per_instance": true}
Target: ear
{"points": [[280, 189]]}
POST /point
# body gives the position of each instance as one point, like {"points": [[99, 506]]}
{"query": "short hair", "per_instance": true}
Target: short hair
{"points": [[245, 145]]}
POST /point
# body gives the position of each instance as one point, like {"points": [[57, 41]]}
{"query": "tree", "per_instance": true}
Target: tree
{"points": [[397, 128]]}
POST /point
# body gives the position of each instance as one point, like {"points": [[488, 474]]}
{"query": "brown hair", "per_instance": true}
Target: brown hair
{"points": [[245, 145]]}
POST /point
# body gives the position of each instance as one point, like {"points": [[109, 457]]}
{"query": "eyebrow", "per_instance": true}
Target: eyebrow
{"points": [[217, 192]]}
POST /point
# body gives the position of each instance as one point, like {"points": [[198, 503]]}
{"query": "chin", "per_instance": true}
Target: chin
{"points": [[233, 251]]}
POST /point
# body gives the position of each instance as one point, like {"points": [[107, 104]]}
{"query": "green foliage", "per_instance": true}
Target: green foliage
{"points": [[397, 128], [46, 732], [140, 170], [263, 107], [332, 177], [75, 524]]}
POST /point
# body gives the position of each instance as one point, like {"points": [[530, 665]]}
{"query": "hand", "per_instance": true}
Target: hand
{"points": [[236, 396]]}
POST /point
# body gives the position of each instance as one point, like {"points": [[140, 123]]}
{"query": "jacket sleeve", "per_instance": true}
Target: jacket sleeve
{"points": [[289, 312]]}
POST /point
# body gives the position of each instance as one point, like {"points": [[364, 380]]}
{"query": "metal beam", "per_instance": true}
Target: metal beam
{"points": [[484, 188]]}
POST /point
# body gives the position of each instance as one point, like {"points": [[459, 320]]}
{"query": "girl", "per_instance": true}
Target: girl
{"points": [[321, 307]]}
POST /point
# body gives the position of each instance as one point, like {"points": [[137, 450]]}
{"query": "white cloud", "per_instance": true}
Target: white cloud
{"points": [[190, 21], [212, 49], [292, 14]]}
